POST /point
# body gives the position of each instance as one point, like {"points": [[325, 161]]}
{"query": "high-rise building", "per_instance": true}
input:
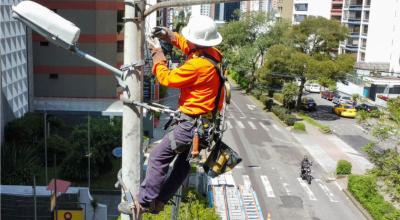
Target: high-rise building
{"points": [[304, 8], [66, 83], [374, 32], [15, 66], [355, 16], [260, 5], [283, 9], [226, 11], [336, 10]]}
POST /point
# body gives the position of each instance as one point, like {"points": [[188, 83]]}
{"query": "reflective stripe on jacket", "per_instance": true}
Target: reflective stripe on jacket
{"points": [[197, 78]]}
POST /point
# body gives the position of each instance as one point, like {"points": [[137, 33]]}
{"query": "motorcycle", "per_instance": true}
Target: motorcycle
{"points": [[305, 173]]}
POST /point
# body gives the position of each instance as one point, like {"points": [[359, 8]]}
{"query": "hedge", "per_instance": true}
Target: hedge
{"points": [[284, 115], [278, 97], [364, 189], [343, 167], [299, 126]]}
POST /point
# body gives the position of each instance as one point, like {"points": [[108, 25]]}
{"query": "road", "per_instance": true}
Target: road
{"points": [[271, 164], [346, 129]]}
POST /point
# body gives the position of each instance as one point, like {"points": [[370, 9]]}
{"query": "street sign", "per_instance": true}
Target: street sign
{"points": [[117, 152]]}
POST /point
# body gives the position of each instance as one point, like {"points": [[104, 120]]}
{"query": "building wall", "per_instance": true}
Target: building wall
{"points": [[380, 31], [58, 73], [314, 8], [285, 9], [14, 68]]}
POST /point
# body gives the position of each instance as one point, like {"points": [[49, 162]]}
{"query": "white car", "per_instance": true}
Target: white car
{"points": [[341, 99], [313, 88]]}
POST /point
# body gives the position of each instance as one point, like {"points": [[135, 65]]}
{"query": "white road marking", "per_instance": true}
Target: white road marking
{"points": [[276, 127], [252, 118], [286, 187], [310, 194], [251, 107], [264, 126], [326, 190], [241, 112], [240, 124], [337, 184], [252, 125], [228, 123], [246, 181], [267, 186]]}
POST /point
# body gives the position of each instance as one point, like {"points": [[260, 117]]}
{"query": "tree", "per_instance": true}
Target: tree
{"points": [[309, 54], [384, 153], [289, 92], [245, 44]]}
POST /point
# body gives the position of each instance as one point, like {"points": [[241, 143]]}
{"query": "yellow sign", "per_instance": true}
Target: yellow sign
{"points": [[69, 215]]}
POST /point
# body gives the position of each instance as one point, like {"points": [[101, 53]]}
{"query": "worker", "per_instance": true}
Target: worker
{"points": [[200, 90]]}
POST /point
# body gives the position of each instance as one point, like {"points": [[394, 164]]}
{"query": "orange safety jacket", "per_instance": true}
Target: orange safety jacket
{"points": [[197, 78]]}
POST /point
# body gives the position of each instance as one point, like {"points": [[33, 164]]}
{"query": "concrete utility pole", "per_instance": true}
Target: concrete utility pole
{"points": [[132, 134], [132, 152]]}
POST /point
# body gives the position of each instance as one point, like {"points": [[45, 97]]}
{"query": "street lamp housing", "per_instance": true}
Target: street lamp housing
{"points": [[47, 23]]}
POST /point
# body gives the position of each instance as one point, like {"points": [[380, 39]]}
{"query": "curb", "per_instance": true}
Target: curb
{"points": [[358, 205]]}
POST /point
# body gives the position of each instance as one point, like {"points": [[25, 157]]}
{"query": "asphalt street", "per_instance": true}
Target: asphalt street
{"points": [[271, 165], [346, 129]]}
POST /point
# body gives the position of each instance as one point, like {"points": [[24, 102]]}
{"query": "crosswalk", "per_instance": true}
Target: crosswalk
{"points": [[289, 190], [250, 123]]}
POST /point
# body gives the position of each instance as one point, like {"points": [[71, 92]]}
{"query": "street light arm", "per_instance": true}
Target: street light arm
{"points": [[180, 3]]}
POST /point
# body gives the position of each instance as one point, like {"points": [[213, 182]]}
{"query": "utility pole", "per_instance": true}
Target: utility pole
{"points": [[88, 148], [45, 146], [132, 132], [132, 152], [34, 198]]}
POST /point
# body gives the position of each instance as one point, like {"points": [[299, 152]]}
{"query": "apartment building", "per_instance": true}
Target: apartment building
{"points": [[261, 5], [283, 9], [15, 67], [304, 8], [374, 39], [67, 84], [336, 10]]}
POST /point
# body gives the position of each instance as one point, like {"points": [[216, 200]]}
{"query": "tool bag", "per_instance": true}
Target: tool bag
{"points": [[221, 159]]}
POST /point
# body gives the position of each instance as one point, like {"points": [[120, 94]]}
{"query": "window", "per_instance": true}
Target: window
{"points": [[362, 56], [54, 9], [44, 43], [120, 46], [120, 20], [301, 7], [299, 18], [53, 76]]}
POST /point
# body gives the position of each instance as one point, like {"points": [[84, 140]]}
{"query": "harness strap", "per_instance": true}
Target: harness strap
{"points": [[221, 76]]}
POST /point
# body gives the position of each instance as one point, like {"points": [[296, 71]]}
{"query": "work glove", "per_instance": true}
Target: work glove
{"points": [[163, 33], [156, 51]]}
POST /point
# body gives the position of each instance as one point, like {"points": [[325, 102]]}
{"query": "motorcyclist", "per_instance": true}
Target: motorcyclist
{"points": [[305, 165]]}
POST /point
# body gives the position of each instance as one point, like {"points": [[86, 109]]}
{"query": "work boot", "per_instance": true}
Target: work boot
{"points": [[126, 208], [156, 207]]}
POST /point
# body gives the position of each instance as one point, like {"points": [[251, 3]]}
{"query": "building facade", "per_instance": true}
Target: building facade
{"points": [[374, 33], [283, 9], [15, 66], [304, 8], [336, 10]]}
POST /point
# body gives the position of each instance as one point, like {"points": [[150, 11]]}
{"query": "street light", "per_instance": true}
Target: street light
{"points": [[55, 29]]}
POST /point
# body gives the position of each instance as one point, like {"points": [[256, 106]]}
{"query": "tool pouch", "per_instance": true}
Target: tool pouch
{"points": [[221, 159]]}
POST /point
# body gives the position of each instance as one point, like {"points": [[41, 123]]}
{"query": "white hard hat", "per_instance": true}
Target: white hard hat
{"points": [[201, 30]]}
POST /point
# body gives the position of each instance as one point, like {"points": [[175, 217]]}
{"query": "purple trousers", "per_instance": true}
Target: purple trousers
{"points": [[157, 185]]}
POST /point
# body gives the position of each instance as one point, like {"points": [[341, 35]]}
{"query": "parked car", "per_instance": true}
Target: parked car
{"points": [[345, 110], [366, 107], [328, 95], [308, 103], [313, 87], [341, 99]]}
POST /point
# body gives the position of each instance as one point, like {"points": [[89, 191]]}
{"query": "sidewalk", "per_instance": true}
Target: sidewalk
{"points": [[327, 149]]}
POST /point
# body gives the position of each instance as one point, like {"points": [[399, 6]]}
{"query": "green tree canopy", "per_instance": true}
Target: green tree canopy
{"points": [[309, 54]]}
